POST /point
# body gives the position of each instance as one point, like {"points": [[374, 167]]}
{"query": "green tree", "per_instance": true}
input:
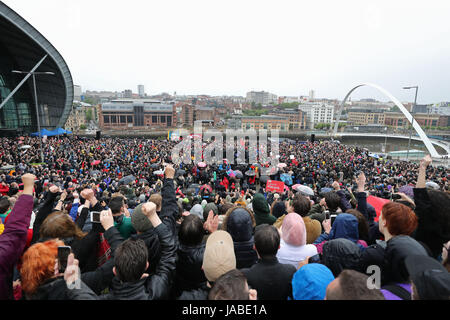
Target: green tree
{"points": [[83, 127], [89, 115]]}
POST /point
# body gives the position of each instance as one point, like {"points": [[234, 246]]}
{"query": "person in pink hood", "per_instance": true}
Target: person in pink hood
{"points": [[293, 247]]}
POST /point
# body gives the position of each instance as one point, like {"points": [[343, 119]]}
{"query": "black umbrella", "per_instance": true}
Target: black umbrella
{"points": [[127, 179], [250, 173], [180, 172], [264, 179]]}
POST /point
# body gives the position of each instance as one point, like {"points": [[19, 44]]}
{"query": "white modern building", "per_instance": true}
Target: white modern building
{"points": [[77, 92], [141, 90], [312, 95], [317, 113], [261, 97]]}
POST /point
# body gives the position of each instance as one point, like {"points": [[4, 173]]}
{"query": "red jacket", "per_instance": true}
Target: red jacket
{"points": [[4, 189]]}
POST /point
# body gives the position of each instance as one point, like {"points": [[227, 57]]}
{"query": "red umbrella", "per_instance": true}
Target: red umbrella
{"points": [[378, 204]]}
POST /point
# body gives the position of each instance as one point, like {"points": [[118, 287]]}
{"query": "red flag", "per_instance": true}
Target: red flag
{"points": [[378, 204]]}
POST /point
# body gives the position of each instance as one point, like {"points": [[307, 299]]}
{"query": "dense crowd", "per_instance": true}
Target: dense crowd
{"points": [[138, 226]]}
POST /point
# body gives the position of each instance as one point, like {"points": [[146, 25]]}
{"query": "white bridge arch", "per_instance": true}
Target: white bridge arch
{"points": [[409, 117]]}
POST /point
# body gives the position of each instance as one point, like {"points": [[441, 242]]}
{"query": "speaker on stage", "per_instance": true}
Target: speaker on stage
{"points": [[313, 138], [98, 135]]}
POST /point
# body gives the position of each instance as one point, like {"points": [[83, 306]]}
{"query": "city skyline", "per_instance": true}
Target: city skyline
{"points": [[287, 48]]}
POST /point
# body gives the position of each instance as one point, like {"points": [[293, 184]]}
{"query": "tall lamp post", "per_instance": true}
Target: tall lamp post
{"points": [[36, 103], [412, 122]]}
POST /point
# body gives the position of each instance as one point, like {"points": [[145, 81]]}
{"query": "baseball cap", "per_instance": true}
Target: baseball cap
{"points": [[219, 256], [430, 278]]}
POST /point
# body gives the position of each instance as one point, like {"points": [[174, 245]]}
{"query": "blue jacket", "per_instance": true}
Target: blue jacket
{"points": [[345, 226]]}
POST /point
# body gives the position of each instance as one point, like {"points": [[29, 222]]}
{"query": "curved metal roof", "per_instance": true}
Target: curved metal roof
{"points": [[28, 46]]}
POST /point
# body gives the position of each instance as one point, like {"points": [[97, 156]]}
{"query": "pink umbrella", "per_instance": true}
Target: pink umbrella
{"points": [[95, 162], [295, 186], [282, 165], [202, 164]]}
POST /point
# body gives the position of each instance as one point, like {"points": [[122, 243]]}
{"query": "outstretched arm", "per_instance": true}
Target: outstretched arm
{"points": [[169, 206], [14, 237], [421, 179]]}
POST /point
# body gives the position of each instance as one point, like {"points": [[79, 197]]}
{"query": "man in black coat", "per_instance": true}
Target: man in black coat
{"points": [[271, 279]]}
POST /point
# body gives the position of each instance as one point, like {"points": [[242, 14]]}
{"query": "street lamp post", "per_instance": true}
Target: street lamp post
{"points": [[412, 122], [36, 104]]}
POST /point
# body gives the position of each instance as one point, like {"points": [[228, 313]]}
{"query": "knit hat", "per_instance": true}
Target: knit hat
{"points": [[139, 220], [219, 257], [310, 282], [197, 210], [279, 209], [204, 203], [293, 230]]}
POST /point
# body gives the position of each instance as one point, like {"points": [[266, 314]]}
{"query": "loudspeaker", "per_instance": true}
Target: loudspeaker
{"points": [[313, 138], [98, 135]]}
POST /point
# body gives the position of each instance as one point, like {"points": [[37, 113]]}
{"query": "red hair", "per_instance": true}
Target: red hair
{"points": [[400, 219], [38, 264]]}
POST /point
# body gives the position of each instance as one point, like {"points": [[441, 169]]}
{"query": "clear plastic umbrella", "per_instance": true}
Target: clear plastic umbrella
{"points": [[305, 190]]}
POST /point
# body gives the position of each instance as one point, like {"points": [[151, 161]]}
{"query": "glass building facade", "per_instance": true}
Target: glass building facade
{"points": [[21, 48]]}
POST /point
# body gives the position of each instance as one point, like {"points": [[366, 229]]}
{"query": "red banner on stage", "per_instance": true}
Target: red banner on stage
{"points": [[275, 186]]}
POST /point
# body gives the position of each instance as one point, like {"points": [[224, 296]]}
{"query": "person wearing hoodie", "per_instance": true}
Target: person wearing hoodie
{"points": [[310, 282], [240, 223], [261, 210], [395, 278], [293, 247], [14, 237], [345, 226], [340, 254]]}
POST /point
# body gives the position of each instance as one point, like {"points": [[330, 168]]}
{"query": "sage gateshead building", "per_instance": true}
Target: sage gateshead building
{"points": [[129, 114], [21, 48]]}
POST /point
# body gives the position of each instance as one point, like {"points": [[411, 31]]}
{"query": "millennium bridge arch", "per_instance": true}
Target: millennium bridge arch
{"points": [[409, 117]]}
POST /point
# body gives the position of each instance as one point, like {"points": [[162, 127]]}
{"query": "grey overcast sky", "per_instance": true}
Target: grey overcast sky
{"points": [[234, 46]]}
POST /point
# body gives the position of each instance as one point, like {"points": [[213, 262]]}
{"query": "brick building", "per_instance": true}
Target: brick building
{"points": [[127, 114]]}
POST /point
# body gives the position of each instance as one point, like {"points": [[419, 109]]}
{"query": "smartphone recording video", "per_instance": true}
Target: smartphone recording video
{"points": [[63, 254], [333, 217], [95, 216]]}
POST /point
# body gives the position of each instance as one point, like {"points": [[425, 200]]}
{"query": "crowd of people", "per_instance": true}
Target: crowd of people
{"points": [[139, 226]]}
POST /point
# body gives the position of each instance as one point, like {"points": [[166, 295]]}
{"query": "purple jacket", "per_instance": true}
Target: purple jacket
{"points": [[13, 241]]}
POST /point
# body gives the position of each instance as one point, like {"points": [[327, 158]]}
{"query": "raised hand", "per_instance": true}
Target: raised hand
{"points": [[212, 222], [169, 172], [336, 185], [28, 179], [106, 219], [361, 181], [54, 189], [426, 161], [87, 194]]}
